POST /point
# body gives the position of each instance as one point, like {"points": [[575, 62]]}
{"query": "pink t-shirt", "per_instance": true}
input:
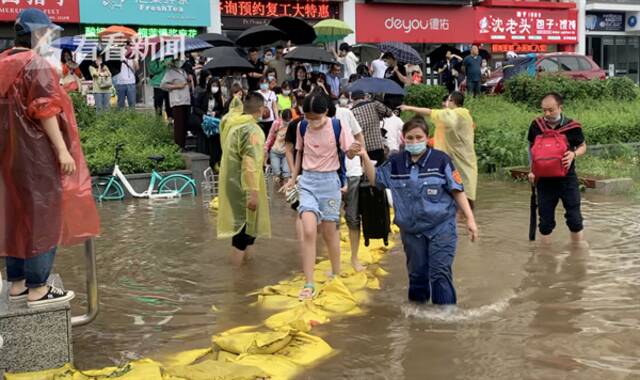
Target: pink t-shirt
{"points": [[320, 153]]}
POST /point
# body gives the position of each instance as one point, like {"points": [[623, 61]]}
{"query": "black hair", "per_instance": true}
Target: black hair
{"points": [[279, 47], [252, 103], [556, 96], [22, 39], [345, 46], [301, 67], [357, 95], [416, 122], [286, 85], [457, 98], [362, 70], [253, 50], [316, 103], [388, 56], [445, 98], [287, 115]]}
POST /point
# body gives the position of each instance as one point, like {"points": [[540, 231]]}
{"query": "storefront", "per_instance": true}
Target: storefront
{"points": [[613, 38], [500, 26], [238, 16], [66, 13]]}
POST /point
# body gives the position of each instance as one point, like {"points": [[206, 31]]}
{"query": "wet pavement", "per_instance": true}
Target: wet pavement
{"points": [[525, 311]]}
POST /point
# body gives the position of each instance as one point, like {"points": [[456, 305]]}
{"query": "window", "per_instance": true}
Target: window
{"points": [[548, 65], [584, 64], [569, 64]]}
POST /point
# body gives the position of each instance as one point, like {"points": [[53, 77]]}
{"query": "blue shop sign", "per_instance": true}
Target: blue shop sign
{"points": [[146, 12], [605, 21]]}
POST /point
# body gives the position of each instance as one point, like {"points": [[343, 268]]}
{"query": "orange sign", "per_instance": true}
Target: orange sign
{"points": [[519, 48]]}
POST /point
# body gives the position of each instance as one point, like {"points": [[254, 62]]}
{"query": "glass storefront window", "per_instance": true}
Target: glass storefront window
{"points": [[623, 52]]}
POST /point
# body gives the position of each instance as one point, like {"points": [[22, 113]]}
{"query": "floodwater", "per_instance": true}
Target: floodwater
{"points": [[525, 311]]}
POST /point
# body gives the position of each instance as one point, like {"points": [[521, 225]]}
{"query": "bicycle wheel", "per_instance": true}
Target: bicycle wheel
{"points": [[179, 184], [104, 189]]}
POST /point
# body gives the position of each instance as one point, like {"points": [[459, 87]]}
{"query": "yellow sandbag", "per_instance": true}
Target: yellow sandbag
{"points": [[335, 297], [214, 204], [354, 280], [226, 356], [253, 342], [277, 302], [373, 283], [186, 357], [381, 272], [145, 369], [302, 318], [217, 370], [277, 367], [306, 349]]}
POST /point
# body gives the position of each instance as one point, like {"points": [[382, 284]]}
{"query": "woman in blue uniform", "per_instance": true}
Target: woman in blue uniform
{"points": [[427, 190]]}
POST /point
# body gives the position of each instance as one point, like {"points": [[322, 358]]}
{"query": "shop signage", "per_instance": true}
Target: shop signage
{"points": [[146, 12], [519, 48], [632, 22], [60, 11], [605, 22], [413, 23], [93, 31], [273, 8], [552, 26]]}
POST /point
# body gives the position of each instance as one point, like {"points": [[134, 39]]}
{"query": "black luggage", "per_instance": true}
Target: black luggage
{"points": [[374, 212]]}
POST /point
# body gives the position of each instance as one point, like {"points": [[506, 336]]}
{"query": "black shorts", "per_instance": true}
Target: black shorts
{"points": [[241, 241]]}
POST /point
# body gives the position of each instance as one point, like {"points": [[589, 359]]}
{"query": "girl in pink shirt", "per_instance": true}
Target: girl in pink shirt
{"points": [[319, 186], [275, 149]]}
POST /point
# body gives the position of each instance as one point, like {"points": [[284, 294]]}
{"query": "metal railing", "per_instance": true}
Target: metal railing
{"points": [[92, 287]]}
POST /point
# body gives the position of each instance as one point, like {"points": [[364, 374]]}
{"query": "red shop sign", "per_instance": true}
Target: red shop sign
{"points": [[518, 25], [274, 8], [519, 48], [414, 23], [60, 11]]}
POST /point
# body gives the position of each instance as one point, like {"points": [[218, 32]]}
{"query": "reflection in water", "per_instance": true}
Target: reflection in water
{"points": [[525, 312]]}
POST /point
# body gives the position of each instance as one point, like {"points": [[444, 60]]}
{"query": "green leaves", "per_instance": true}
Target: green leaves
{"points": [[425, 96], [143, 133]]}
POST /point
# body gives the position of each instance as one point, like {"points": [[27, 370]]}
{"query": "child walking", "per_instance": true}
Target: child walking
{"points": [[275, 147], [426, 190], [320, 183]]}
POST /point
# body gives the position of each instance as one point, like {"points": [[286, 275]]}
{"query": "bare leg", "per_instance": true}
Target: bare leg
{"points": [[354, 240], [332, 240], [18, 287], [237, 256], [299, 228], [577, 237], [308, 244], [545, 239]]}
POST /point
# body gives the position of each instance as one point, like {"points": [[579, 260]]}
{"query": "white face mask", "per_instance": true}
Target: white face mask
{"points": [[268, 58], [343, 102], [286, 92], [215, 89]]}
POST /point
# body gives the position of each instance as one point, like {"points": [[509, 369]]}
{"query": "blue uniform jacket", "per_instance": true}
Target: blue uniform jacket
{"points": [[422, 191]]}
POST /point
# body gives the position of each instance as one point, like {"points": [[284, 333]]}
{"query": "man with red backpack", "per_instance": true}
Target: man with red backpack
{"points": [[555, 142]]}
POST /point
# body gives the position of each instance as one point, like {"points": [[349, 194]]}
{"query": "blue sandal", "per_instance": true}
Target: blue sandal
{"points": [[307, 292]]}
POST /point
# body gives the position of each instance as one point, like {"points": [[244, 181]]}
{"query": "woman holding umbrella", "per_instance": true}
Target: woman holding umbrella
{"points": [[102, 83], [176, 81], [395, 71]]}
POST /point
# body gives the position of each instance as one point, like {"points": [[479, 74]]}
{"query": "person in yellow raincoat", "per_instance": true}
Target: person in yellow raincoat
{"points": [[243, 213], [454, 135]]}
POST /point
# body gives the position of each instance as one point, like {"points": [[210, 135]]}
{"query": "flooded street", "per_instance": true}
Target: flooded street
{"points": [[525, 311]]}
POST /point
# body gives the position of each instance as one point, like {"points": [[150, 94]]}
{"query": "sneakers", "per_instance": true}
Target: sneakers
{"points": [[20, 297], [55, 295]]}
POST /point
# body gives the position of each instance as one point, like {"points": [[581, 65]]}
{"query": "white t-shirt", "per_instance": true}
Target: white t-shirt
{"points": [[350, 63], [379, 67], [270, 99], [393, 126], [348, 120], [126, 75]]}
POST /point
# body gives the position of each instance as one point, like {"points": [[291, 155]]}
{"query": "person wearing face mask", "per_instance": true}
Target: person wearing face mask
{"points": [[551, 190], [243, 213], [278, 64], [209, 104], [270, 110], [285, 98], [455, 135], [427, 190], [176, 82], [45, 185], [320, 183]]}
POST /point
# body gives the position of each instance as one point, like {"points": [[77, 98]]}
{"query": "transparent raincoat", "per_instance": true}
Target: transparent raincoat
{"points": [[39, 207], [240, 172], [454, 135]]}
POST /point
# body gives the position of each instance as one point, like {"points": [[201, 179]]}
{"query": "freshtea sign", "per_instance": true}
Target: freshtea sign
{"points": [[146, 12]]}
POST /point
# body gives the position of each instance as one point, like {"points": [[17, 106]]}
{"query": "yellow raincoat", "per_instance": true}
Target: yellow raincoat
{"points": [[454, 135], [240, 172]]}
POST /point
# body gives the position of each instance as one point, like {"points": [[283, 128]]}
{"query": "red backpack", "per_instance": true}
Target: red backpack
{"points": [[549, 148]]}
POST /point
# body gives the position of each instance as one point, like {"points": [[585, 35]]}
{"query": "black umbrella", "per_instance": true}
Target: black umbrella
{"points": [[297, 30], [215, 39], [367, 53], [260, 35], [310, 54], [226, 58], [484, 54], [440, 53], [402, 52]]}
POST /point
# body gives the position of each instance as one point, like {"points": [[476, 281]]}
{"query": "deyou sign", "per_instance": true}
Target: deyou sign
{"points": [[413, 23]]}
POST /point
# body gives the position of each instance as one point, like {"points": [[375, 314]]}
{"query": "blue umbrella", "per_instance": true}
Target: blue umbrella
{"points": [[174, 49], [402, 52], [376, 86]]}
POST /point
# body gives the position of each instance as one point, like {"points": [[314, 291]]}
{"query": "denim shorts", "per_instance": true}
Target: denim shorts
{"points": [[320, 194]]}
